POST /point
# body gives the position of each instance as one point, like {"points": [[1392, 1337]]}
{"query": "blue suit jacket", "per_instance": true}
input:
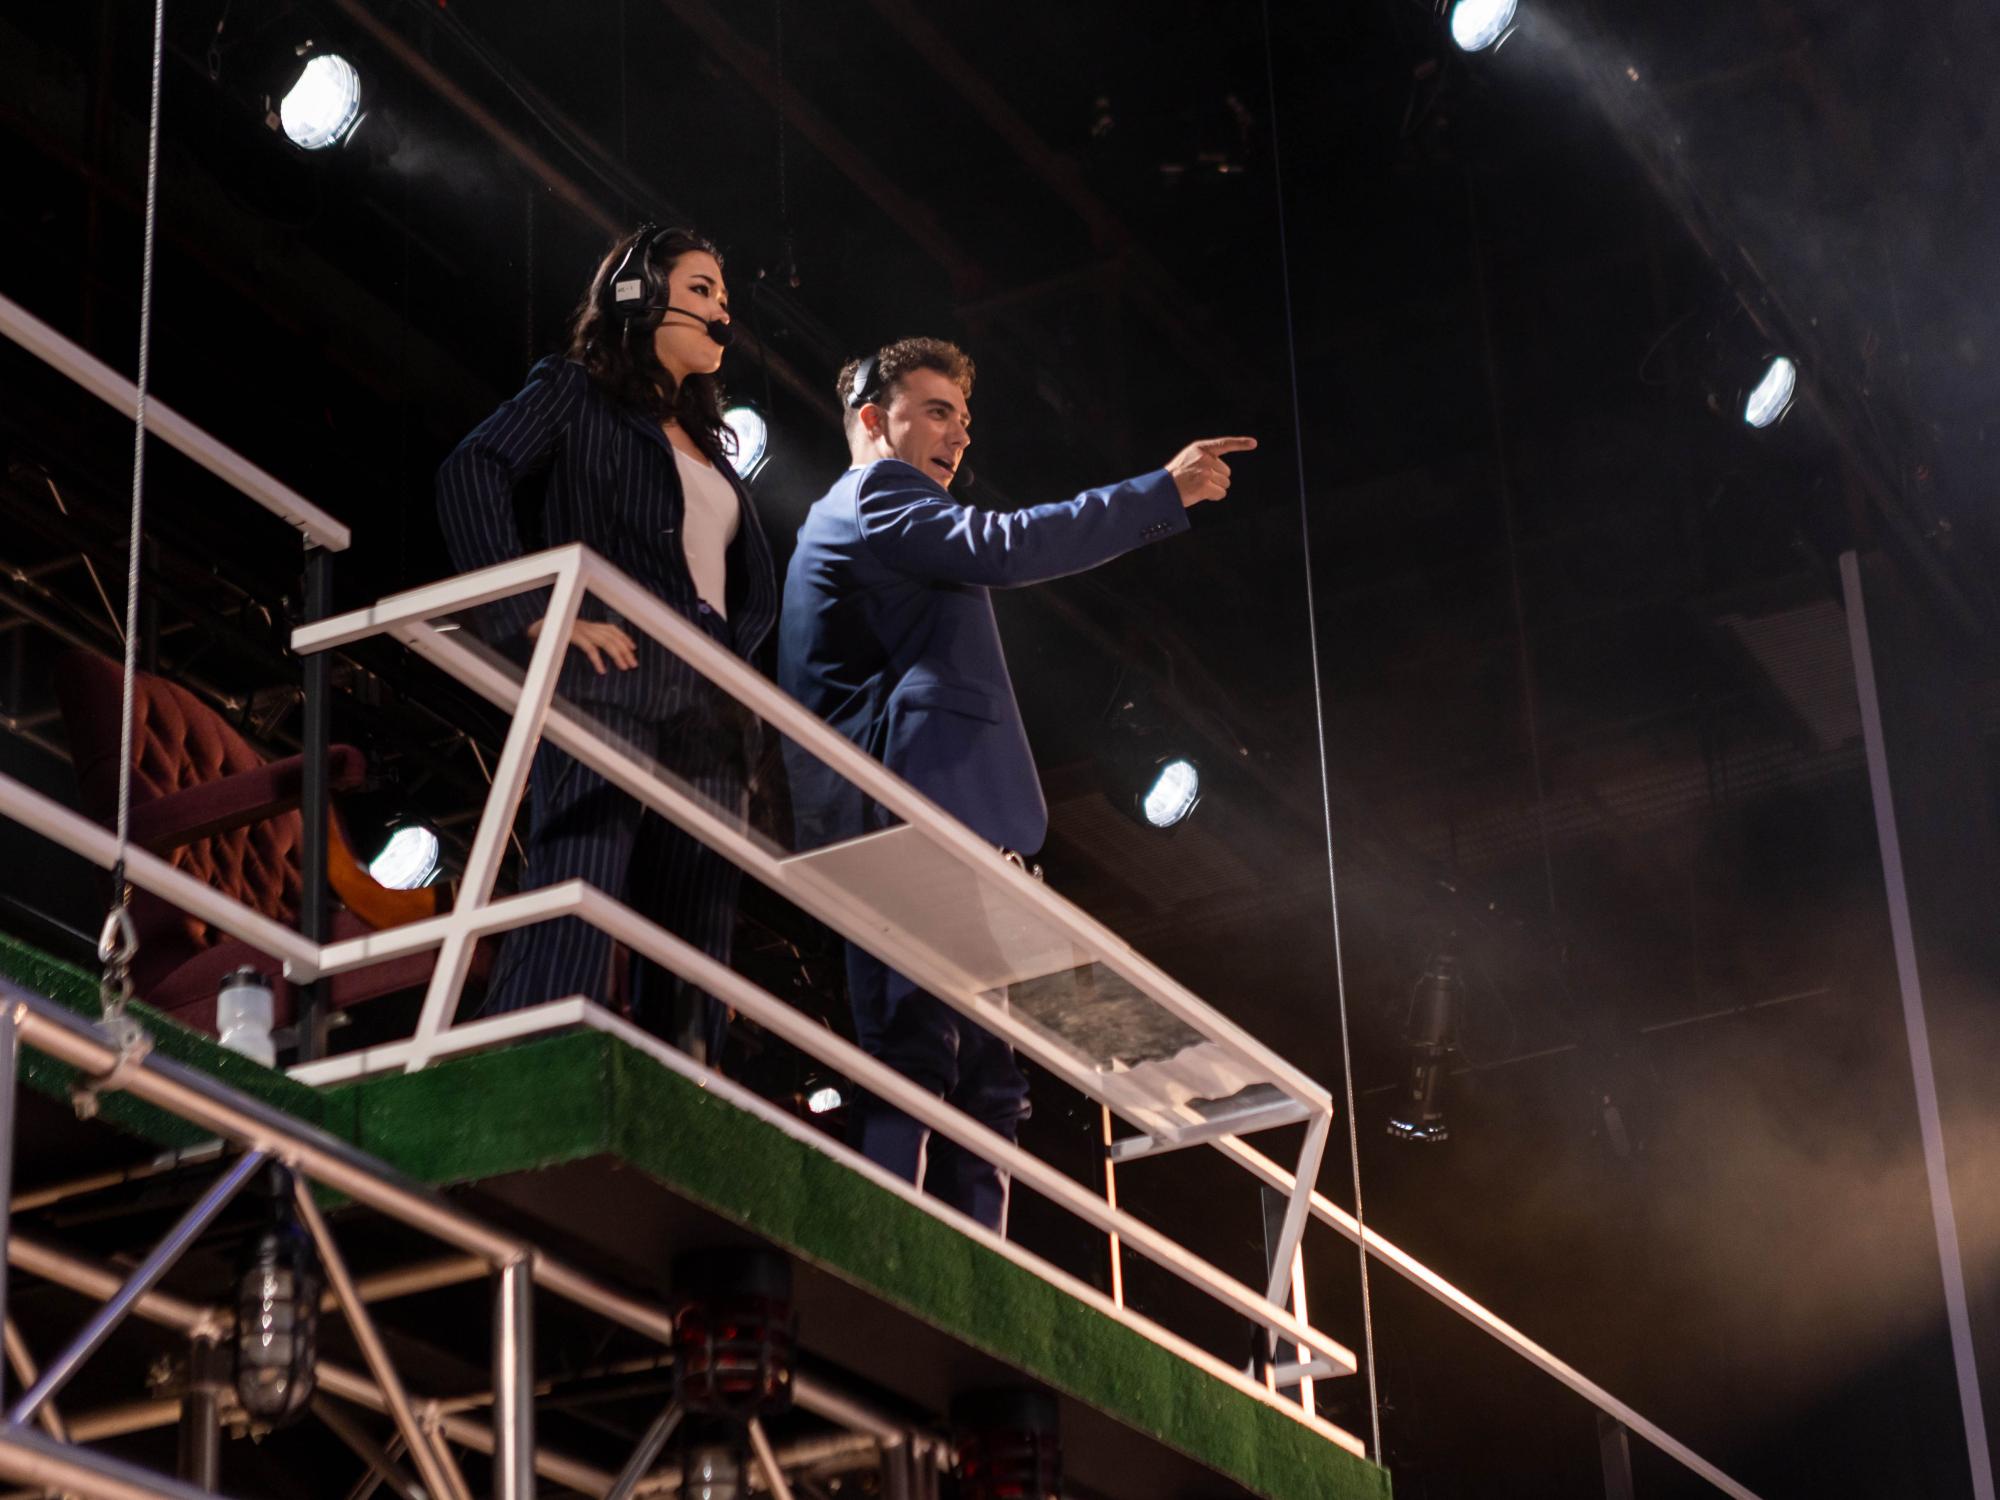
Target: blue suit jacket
{"points": [[601, 473], [888, 634]]}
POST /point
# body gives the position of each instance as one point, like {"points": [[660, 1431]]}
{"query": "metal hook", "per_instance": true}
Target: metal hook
{"points": [[117, 946]]}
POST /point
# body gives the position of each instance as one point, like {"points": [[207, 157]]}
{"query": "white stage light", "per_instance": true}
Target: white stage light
{"points": [[1773, 396], [1478, 24], [408, 860], [753, 437], [820, 1100], [1174, 792], [323, 105]]}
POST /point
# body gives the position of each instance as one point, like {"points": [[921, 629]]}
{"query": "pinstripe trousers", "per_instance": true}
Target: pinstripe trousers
{"points": [[581, 826]]}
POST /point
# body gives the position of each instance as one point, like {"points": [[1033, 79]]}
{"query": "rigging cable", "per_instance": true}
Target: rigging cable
{"points": [[118, 942], [1319, 725]]}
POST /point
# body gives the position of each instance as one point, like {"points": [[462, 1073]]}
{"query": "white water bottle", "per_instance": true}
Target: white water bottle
{"points": [[243, 1016]]}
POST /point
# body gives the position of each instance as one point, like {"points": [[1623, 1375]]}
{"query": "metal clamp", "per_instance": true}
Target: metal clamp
{"points": [[1020, 862], [133, 1047]]}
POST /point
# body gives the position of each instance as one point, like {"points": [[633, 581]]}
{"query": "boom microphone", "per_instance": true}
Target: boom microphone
{"points": [[718, 330]]}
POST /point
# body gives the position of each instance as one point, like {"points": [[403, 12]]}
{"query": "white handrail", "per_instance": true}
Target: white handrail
{"points": [[171, 428], [1328, 1212]]}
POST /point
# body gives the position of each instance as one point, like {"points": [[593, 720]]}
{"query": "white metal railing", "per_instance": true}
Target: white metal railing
{"points": [[1042, 926], [173, 429]]}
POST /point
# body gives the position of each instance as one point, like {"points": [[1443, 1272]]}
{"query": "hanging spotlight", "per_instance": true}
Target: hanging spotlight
{"points": [[1433, 1020], [1745, 375], [277, 1311], [1771, 397], [1142, 772], [1479, 24], [824, 1100], [323, 104], [753, 437], [387, 834], [1009, 1445], [1175, 790], [410, 857]]}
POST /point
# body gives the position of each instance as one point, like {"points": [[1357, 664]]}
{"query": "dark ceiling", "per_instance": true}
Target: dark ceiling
{"points": [[1584, 677]]}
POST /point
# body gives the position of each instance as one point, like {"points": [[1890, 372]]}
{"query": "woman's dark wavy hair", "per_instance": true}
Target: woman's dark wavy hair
{"points": [[624, 365]]}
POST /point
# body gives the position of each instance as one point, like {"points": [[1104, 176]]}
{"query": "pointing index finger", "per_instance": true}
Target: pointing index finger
{"points": [[1226, 444]]}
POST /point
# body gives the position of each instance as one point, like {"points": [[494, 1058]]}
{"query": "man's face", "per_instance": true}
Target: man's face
{"points": [[925, 423]]}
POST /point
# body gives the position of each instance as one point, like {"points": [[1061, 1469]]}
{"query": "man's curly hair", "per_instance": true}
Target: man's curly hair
{"points": [[894, 361]]}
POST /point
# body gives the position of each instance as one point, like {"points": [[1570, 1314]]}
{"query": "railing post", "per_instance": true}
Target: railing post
{"points": [[10, 1061], [514, 1382], [1117, 1250], [201, 1415], [309, 1000], [1614, 1451]]}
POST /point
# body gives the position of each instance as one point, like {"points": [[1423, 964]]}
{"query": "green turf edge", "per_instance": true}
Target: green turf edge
{"points": [[464, 1119], [536, 1104], [76, 989]]}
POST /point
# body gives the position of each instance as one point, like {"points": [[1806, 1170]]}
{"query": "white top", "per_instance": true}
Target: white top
{"points": [[709, 520]]}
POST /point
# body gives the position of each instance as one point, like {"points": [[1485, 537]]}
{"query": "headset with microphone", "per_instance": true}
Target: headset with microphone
{"points": [[637, 289]]}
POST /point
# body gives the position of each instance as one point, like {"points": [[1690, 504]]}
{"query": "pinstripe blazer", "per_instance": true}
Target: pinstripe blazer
{"points": [[601, 473]]}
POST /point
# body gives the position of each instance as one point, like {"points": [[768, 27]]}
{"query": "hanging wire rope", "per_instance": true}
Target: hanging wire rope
{"points": [[118, 943], [1319, 726]]}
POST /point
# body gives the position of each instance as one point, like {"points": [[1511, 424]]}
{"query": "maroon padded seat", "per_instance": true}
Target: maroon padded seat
{"points": [[205, 799]]}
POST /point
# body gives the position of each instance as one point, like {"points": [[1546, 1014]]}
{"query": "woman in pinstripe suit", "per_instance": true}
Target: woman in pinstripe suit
{"points": [[621, 446]]}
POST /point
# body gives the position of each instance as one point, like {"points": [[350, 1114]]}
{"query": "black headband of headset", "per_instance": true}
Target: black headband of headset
{"points": [[629, 287], [867, 385]]}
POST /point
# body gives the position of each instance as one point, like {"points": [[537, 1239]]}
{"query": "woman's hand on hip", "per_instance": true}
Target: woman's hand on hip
{"points": [[599, 641]]}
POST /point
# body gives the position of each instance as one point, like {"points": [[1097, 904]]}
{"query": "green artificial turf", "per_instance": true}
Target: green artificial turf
{"points": [[567, 1098]]}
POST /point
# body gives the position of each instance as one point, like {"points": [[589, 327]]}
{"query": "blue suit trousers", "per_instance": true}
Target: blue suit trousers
{"points": [[942, 1052]]}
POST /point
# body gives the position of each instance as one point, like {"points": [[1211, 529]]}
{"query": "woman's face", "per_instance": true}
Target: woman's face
{"points": [[695, 294]]}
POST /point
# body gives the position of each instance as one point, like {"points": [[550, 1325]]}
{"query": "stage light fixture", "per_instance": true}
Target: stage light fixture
{"points": [[1772, 396], [277, 1311], [1479, 24], [735, 1333], [1173, 792], [408, 859], [824, 1100], [1433, 1021], [1009, 1444], [753, 437], [1140, 765], [321, 108]]}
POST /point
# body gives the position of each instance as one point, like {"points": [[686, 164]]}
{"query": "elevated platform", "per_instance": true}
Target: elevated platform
{"points": [[587, 1144]]}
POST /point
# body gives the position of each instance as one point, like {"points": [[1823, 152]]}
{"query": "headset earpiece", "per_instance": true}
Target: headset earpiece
{"points": [[634, 289], [867, 385]]}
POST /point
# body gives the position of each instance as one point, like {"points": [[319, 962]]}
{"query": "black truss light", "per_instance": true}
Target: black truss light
{"points": [[1433, 1022], [735, 1333], [1009, 1444]]}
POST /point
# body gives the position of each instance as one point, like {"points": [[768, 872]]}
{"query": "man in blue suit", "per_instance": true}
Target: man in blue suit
{"points": [[888, 633]]}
